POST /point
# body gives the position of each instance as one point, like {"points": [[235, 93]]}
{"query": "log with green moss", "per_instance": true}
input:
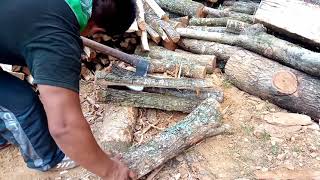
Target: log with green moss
{"points": [[183, 7], [258, 41], [202, 123]]}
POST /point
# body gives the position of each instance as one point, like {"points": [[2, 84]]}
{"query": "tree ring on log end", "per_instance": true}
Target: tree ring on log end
{"points": [[285, 82]]}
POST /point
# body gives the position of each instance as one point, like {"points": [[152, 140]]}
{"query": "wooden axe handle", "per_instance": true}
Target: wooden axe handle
{"points": [[127, 58]]}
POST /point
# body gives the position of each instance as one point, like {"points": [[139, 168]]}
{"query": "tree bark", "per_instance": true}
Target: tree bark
{"points": [[104, 79], [221, 51], [269, 80], [157, 9], [157, 52], [217, 13], [218, 95], [183, 7], [266, 45], [146, 100], [171, 32], [153, 34], [241, 7], [202, 123], [208, 21], [208, 28]]}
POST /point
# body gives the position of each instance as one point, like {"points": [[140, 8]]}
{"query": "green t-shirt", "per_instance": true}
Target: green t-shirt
{"points": [[45, 36]]}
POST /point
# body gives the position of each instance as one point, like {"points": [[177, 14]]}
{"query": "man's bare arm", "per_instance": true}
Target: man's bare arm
{"points": [[72, 133]]}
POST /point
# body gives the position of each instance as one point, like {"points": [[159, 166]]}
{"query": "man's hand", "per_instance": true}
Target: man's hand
{"points": [[119, 171], [73, 135]]}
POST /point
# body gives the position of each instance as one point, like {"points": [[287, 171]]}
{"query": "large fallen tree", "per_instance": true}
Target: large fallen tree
{"points": [[269, 80]]}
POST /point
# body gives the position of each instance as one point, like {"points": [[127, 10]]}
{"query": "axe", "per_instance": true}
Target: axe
{"points": [[141, 65]]}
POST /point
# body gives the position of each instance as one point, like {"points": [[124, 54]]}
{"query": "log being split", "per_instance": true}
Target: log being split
{"points": [[281, 85], [221, 51], [104, 79], [146, 100], [183, 7], [266, 45], [157, 52], [202, 123]]}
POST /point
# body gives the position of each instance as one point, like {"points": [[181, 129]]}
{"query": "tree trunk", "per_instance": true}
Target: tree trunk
{"points": [[202, 123], [291, 17], [266, 45], [221, 51], [269, 80], [146, 100], [104, 79], [183, 7], [157, 52]]}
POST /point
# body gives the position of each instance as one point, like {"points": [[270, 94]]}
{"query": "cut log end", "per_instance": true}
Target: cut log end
{"points": [[285, 82]]}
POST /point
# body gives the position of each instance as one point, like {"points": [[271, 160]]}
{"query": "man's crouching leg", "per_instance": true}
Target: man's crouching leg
{"points": [[23, 123]]}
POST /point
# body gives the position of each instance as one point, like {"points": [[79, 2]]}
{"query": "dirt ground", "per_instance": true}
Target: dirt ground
{"points": [[245, 152]]}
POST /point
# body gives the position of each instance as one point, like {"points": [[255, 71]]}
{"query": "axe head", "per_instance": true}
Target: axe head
{"points": [[142, 68]]}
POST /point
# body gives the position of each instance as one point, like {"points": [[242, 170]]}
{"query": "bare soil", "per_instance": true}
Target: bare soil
{"points": [[245, 152]]}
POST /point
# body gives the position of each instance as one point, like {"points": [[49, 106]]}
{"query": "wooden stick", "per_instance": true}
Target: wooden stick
{"points": [[144, 41], [140, 15], [266, 45], [269, 80], [157, 9], [134, 27], [104, 79], [202, 123]]}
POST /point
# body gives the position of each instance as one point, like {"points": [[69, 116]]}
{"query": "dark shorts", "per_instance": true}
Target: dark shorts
{"points": [[23, 123]]}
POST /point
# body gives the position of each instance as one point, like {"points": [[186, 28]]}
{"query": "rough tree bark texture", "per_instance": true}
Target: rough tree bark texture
{"points": [[208, 21], [117, 128], [202, 123], [146, 100], [266, 45], [153, 34], [283, 86], [104, 79], [221, 51], [183, 7], [292, 17], [208, 28], [157, 52], [242, 7], [217, 13]]}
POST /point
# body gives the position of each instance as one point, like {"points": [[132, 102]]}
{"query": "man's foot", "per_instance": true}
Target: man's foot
{"points": [[65, 164], [3, 146]]}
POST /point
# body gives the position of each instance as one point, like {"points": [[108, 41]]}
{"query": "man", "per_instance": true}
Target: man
{"points": [[45, 36]]}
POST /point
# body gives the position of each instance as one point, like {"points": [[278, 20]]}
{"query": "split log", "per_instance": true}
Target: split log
{"points": [[157, 9], [266, 45], [234, 26], [134, 27], [140, 15], [146, 100], [171, 32], [104, 79], [144, 41], [191, 70], [153, 21], [221, 51], [183, 7], [157, 52], [208, 28], [153, 34], [281, 85], [170, 45], [117, 128], [189, 94], [291, 17], [202, 123]]}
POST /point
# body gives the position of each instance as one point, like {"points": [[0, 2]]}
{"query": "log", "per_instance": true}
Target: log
{"points": [[170, 45], [153, 34], [291, 17], [134, 27], [144, 41], [171, 32], [221, 51], [140, 15], [157, 9], [208, 21], [184, 19], [186, 70], [157, 52], [104, 79], [176, 24], [153, 22], [208, 28], [236, 27], [267, 45], [183, 7], [189, 94], [281, 85], [217, 13], [240, 6], [202, 123], [146, 100], [117, 128]]}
